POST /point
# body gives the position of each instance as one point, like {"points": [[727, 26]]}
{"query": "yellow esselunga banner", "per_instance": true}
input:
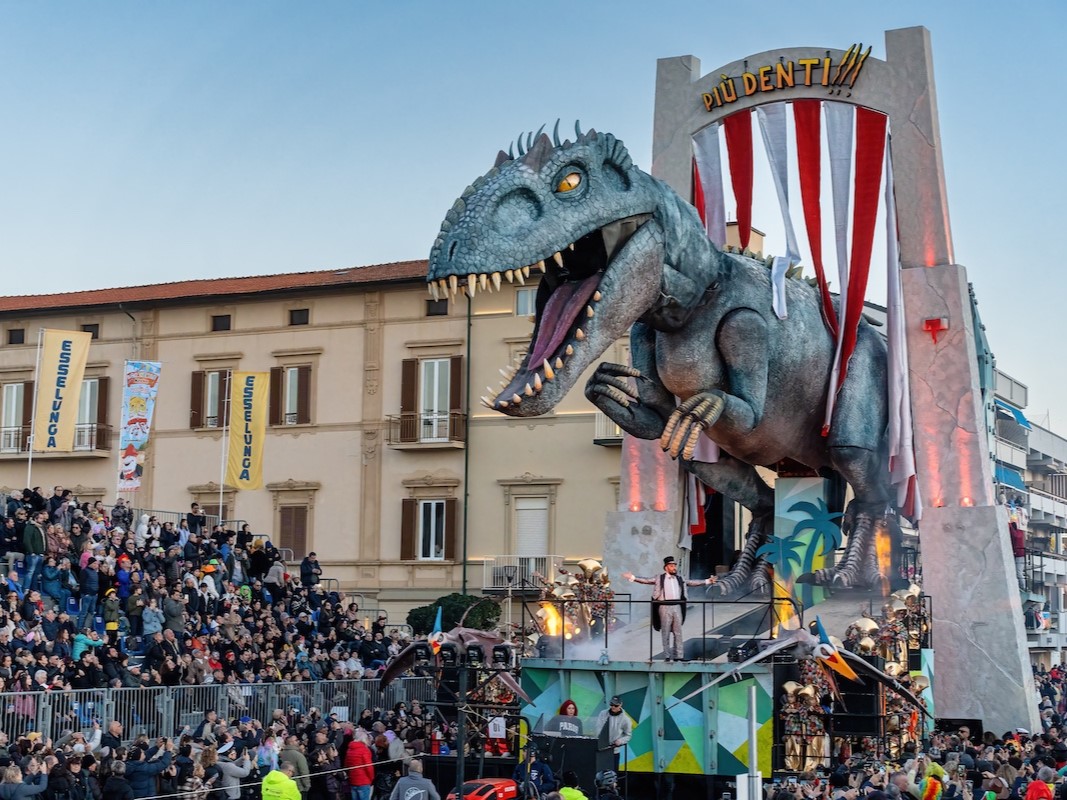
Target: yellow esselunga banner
{"points": [[59, 388], [248, 428]]}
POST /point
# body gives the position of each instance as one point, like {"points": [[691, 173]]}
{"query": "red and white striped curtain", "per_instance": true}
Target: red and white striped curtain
{"points": [[856, 140]]}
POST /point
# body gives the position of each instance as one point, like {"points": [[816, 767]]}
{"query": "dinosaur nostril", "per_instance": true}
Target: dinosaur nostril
{"points": [[452, 249]]}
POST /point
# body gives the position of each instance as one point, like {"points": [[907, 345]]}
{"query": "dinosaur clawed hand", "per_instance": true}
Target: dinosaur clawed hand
{"points": [[610, 382], [689, 421]]}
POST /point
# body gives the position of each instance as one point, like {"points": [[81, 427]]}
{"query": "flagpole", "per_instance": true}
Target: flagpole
{"points": [[228, 388], [122, 407], [33, 415]]}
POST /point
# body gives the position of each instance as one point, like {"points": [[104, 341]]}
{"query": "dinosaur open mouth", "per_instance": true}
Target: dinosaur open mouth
{"points": [[567, 297]]}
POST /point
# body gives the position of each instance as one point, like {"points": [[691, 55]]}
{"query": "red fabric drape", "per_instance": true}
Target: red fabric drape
{"points": [[739, 150], [698, 195], [807, 115], [870, 155]]}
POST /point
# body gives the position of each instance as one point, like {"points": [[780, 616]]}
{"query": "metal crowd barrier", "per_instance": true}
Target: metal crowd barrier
{"points": [[167, 711]]}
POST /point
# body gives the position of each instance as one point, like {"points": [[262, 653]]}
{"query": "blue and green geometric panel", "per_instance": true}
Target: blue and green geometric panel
{"points": [[731, 725]]}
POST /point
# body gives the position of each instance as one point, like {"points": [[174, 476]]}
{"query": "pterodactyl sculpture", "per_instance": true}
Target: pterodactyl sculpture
{"points": [[826, 654], [461, 637]]}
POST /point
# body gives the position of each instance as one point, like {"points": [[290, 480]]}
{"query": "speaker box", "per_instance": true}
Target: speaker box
{"points": [[743, 651], [582, 755]]}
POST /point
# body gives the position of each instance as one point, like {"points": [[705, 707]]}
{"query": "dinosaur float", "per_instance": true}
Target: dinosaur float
{"points": [[619, 251]]}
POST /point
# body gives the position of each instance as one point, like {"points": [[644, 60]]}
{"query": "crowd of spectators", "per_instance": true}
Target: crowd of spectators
{"points": [[97, 599], [89, 590]]}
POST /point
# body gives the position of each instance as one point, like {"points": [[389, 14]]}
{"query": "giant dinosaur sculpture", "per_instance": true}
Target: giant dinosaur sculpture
{"points": [[620, 251]]}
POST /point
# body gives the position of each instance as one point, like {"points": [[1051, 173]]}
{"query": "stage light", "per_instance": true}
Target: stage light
{"points": [[501, 655], [449, 655], [423, 654], [475, 655]]}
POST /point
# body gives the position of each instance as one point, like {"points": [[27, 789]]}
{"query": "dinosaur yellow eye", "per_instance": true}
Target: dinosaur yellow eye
{"points": [[569, 182]]}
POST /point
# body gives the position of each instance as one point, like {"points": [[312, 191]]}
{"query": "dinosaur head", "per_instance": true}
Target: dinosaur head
{"points": [[583, 216]]}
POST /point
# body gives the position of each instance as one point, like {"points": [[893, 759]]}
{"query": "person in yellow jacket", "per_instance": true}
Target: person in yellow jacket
{"points": [[279, 783], [570, 790]]}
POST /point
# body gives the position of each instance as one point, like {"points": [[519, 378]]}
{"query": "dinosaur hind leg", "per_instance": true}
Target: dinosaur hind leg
{"points": [[741, 482]]}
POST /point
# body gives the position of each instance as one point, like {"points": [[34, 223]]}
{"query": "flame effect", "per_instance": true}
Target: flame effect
{"points": [[554, 624], [883, 552]]}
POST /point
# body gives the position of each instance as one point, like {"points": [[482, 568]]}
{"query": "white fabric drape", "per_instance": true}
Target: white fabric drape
{"points": [[840, 122], [709, 165]]}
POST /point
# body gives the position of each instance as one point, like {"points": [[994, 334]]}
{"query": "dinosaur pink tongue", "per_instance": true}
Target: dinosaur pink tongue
{"points": [[562, 307]]}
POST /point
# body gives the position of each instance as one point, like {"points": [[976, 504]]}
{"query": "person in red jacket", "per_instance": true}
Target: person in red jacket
{"points": [[360, 766]]}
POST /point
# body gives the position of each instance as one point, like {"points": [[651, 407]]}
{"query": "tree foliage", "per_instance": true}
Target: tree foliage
{"points": [[453, 606]]}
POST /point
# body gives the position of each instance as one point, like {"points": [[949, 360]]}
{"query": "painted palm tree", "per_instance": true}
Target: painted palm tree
{"points": [[825, 531], [782, 553]]}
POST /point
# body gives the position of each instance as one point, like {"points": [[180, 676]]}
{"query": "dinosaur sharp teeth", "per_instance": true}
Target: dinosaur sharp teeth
{"points": [[541, 266], [503, 404], [589, 312], [519, 278], [579, 334], [496, 281], [515, 399], [528, 391], [472, 284], [549, 373], [453, 284], [490, 389], [559, 363], [443, 286], [569, 351], [526, 272], [571, 245], [597, 295], [558, 259], [483, 281], [537, 382], [486, 402], [509, 275], [433, 290]]}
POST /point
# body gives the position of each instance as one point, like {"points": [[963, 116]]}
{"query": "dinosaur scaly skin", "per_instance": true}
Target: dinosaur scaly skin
{"points": [[621, 251]]}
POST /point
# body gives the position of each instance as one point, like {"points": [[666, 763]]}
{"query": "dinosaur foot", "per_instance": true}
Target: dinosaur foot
{"points": [[867, 559]]}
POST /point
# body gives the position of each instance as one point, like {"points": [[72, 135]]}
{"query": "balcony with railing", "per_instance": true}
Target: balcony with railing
{"points": [[441, 430], [519, 573], [1010, 453], [1047, 509], [91, 439], [606, 432]]}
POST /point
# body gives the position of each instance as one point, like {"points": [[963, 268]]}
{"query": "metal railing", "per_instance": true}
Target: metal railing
{"points": [[519, 573], [168, 710], [162, 516], [427, 429], [606, 431], [88, 436]]}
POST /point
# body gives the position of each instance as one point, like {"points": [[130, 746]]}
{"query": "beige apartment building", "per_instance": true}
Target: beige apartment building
{"points": [[371, 459]]}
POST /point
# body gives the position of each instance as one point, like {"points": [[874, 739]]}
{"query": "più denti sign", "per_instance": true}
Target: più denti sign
{"points": [[835, 76]]}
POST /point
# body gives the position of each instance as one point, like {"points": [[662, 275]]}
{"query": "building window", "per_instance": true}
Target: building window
{"points": [[431, 400], [293, 532], [299, 316], [15, 416], [93, 329], [290, 395], [428, 530], [434, 399], [437, 308], [16, 336], [526, 301], [209, 401], [220, 322]]}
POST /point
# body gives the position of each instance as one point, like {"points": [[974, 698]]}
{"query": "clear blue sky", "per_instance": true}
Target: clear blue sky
{"points": [[148, 142]]}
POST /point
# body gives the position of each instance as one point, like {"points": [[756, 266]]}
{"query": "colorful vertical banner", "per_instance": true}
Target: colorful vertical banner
{"points": [[248, 429], [139, 386], [60, 369]]}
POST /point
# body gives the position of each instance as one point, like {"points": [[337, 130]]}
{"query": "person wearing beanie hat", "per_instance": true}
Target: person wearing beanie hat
{"points": [[668, 604]]}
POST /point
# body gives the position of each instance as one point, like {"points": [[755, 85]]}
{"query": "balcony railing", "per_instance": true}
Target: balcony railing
{"points": [[606, 432], [1010, 453], [519, 572], [447, 429], [89, 436]]}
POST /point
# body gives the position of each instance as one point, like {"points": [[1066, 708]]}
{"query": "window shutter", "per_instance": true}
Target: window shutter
{"points": [[275, 413], [103, 432], [451, 531], [409, 388], [27, 413], [196, 400], [303, 394], [531, 526], [294, 523], [457, 421], [408, 510], [224, 398]]}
